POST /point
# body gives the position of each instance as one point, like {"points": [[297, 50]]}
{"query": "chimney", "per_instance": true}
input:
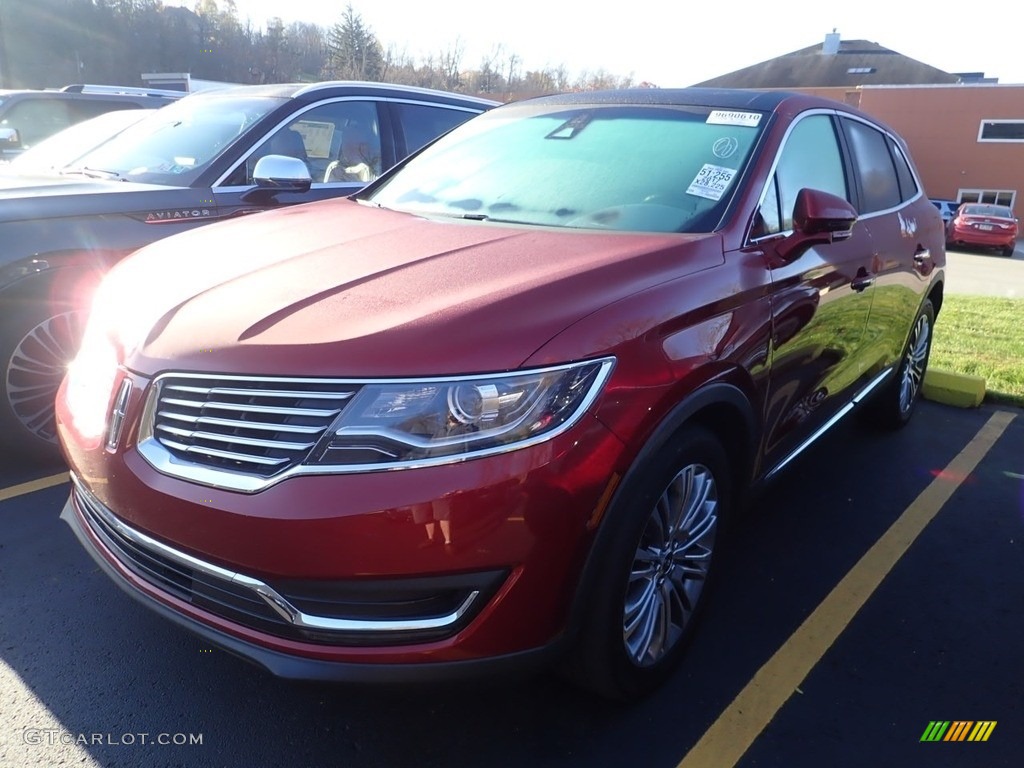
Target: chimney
{"points": [[831, 46]]}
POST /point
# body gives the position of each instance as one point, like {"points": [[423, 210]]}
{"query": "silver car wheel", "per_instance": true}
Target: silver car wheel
{"points": [[36, 368], [914, 363], [670, 566]]}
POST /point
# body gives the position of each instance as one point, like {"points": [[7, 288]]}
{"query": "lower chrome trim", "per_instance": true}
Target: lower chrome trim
{"points": [[271, 597], [867, 389]]}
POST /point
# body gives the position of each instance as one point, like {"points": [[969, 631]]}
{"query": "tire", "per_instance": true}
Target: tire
{"points": [[895, 404], [666, 529], [39, 337], [1008, 251]]}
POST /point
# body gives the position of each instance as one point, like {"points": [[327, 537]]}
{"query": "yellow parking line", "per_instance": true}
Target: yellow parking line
{"points": [[729, 737], [32, 486]]}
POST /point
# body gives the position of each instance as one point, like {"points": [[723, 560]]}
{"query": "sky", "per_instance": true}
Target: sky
{"points": [[670, 44]]}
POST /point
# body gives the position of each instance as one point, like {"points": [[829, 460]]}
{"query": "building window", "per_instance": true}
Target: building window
{"points": [[1005, 197], [1001, 130], [861, 71]]}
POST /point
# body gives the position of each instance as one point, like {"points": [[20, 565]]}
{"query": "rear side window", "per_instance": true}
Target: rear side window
{"points": [[880, 188], [422, 123], [908, 186]]}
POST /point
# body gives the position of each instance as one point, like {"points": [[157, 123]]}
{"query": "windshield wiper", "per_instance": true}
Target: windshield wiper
{"points": [[92, 173]]}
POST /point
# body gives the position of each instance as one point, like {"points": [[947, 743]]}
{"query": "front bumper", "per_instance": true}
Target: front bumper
{"points": [[290, 666], [347, 577]]}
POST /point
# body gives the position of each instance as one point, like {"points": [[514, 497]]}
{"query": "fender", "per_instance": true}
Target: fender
{"points": [[16, 276], [715, 394]]}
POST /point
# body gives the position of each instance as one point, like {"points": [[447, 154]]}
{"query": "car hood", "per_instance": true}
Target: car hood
{"points": [[341, 289], [44, 197]]}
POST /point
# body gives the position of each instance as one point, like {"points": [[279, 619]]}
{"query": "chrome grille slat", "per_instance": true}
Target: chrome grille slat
{"points": [[259, 426], [219, 454], [252, 407], [236, 392], [250, 441]]}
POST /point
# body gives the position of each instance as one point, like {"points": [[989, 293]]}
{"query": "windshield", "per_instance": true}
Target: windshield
{"points": [[649, 168], [988, 210], [177, 142]]}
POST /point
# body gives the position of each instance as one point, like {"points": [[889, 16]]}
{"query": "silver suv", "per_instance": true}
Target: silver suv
{"points": [[29, 116]]}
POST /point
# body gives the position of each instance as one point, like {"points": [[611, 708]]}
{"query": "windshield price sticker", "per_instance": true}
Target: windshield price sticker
{"points": [[727, 117], [711, 181]]}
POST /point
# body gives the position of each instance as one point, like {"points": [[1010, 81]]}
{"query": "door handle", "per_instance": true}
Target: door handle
{"points": [[862, 281]]}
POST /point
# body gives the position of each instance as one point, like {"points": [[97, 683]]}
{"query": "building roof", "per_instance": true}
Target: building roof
{"points": [[834, 63]]}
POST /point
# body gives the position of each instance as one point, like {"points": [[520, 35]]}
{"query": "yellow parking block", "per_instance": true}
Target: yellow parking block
{"points": [[957, 389]]}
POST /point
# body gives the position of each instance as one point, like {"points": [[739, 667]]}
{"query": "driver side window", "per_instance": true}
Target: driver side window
{"points": [[810, 159], [338, 141]]}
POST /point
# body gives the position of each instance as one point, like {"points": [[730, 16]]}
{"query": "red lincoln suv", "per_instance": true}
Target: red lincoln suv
{"points": [[497, 407]]}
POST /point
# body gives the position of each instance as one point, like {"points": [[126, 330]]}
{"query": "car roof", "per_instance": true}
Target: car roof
{"points": [[319, 90], [728, 98], [77, 92]]}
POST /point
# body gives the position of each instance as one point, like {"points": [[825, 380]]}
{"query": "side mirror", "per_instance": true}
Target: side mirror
{"points": [[818, 218], [282, 173], [9, 138]]}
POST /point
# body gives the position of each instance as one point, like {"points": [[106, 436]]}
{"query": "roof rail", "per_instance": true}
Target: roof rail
{"points": [[120, 89]]}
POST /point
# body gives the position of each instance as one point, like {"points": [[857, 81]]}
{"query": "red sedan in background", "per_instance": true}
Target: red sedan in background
{"points": [[498, 407], [983, 226]]}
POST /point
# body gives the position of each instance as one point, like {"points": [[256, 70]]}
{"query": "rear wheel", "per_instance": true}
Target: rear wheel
{"points": [[1008, 251], [895, 404], [666, 530]]}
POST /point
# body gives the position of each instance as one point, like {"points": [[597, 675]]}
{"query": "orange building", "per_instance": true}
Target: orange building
{"points": [[966, 133]]}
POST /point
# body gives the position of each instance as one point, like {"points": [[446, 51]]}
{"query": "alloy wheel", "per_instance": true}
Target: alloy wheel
{"points": [[36, 368], [670, 566], [914, 363]]}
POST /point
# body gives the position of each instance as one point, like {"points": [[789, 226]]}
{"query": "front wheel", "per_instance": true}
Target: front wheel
{"points": [[36, 344], [666, 531], [895, 404]]}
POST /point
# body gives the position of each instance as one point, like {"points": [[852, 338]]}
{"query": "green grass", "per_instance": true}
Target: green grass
{"points": [[983, 336]]}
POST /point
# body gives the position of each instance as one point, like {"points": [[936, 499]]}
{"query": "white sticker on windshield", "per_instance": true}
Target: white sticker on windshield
{"points": [[728, 117], [711, 181], [725, 147]]}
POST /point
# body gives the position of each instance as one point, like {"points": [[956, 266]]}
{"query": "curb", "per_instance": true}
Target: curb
{"points": [[956, 389]]}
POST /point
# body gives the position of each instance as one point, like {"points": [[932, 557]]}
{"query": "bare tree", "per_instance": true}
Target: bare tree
{"points": [[449, 62]]}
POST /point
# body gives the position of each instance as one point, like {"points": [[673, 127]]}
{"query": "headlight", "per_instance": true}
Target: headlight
{"points": [[90, 383], [396, 422]]}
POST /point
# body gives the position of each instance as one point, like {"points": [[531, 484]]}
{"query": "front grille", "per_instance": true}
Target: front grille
{"points": [[356, 612], [259, 426]]}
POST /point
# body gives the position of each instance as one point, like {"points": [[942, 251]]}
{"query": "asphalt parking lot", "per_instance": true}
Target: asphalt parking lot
{"points": [[836, 636], [982, 273]]}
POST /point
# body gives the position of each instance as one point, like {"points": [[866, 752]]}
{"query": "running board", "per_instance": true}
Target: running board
{"points": [[868, 388]]}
